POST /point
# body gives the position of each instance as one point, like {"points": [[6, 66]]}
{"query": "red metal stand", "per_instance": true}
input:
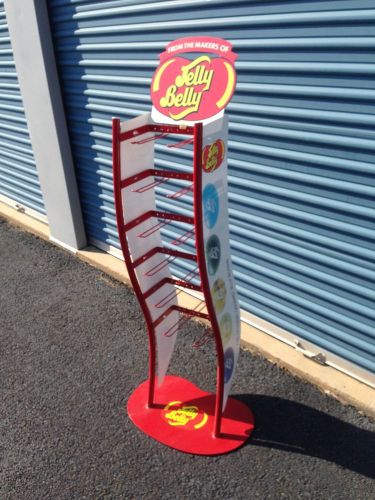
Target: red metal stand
{"points": [[178, 405]]}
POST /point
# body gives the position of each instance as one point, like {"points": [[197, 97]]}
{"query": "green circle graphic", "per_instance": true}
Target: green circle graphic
{"points": [[226, 328]]}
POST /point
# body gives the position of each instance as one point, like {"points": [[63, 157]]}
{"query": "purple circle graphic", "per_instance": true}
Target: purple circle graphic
{"points": [[228, 364]]}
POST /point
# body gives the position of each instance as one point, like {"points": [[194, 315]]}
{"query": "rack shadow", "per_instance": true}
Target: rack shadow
{"points": [[290, 426]]}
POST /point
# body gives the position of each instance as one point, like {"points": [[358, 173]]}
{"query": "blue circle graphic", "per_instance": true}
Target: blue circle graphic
{"points": [[210, 205], [228, 364]]}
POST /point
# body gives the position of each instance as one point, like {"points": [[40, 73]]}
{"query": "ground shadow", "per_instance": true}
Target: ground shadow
{"points": [[294, 427]]}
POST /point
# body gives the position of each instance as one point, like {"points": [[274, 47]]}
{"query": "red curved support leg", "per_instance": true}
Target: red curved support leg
{"points": [[125, 250], [198, 216]]}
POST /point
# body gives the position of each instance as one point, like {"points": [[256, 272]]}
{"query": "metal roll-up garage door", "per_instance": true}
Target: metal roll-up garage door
{"points": [[19, 182], [301, 153]]}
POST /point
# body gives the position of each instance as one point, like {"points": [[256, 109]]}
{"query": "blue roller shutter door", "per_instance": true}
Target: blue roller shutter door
{"points": [[301, 145], [19, 180]]}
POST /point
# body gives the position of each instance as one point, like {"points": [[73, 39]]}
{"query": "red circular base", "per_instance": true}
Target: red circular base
{"points": [[183, 418]]}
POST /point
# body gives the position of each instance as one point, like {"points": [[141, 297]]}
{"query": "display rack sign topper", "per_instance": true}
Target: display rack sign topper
{"points": [[198, 88]]}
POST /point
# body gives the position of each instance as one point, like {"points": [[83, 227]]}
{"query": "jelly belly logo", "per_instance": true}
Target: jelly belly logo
{"points": [[184, 416], [195, 88], [213, 156]]}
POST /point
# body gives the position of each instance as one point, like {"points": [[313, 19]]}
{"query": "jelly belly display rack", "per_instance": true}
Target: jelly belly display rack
{"points": [[169, 408]]}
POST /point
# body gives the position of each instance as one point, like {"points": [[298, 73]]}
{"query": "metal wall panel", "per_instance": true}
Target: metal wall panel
{"points": [[301, 166], [19, 180]]}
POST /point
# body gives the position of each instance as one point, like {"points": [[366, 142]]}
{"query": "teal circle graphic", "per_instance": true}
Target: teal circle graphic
{"points": [[210, 206], [213, 253]]}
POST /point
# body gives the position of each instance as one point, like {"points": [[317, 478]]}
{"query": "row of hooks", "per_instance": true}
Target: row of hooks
{"points": [[151, 185], [179, 144]]}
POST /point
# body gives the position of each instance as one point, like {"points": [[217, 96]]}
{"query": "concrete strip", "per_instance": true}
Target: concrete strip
{"points": [[339, 385], [24, 221], [333, 382], [105, 262]]}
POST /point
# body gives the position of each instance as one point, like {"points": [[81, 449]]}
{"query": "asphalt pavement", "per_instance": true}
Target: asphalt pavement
{"points": [[72, 349]]}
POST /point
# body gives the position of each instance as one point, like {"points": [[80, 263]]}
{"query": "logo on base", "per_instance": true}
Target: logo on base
{"points": [[188, 416]]}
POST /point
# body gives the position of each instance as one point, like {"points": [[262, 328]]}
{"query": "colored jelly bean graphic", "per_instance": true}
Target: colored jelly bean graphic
{"points": [[210, 206], [213, 156], [219, 293], [226, 328], [213, 253], [228, 364]]}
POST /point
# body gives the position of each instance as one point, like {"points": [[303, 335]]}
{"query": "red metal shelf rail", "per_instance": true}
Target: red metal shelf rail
{"points": [[174, 328], [166, 174], [165, 251], [185, 281]]}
